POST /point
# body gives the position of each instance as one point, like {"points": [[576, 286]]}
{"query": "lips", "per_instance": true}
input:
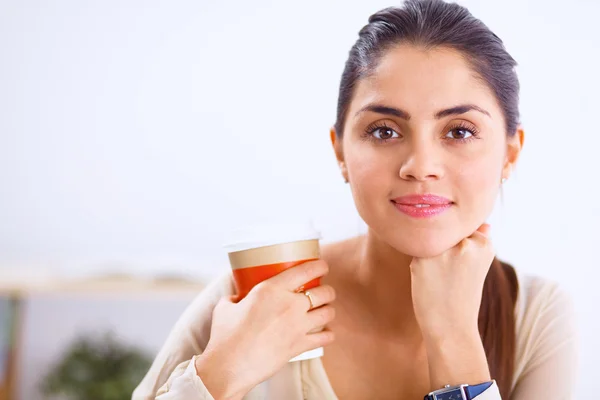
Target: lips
{"points": [[430, 199], [422, 205]]}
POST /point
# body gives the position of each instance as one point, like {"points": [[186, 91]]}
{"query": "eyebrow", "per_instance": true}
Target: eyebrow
{"points": [[397, 112]]}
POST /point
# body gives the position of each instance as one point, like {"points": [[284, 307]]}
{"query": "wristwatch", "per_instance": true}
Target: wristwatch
{"points": [[459, 392]]}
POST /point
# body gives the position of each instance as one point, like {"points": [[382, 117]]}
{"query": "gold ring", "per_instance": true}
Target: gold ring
{"points": [[312, 304]]}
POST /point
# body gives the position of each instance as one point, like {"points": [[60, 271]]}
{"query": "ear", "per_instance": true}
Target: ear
{"points": [[336, 142], [514, 145]]}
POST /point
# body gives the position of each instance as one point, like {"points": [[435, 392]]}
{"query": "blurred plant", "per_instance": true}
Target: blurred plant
{"points": [[96, 368]]}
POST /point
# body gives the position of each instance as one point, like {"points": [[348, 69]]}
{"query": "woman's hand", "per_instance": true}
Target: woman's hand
{"points": [[446, 294], [253, 339], [447, 289]]}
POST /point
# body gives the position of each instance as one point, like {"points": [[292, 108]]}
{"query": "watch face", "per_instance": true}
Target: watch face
{"points": [[455, 394]]}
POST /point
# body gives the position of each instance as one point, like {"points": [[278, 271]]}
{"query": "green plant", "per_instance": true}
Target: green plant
{"points": [[96, 368]]}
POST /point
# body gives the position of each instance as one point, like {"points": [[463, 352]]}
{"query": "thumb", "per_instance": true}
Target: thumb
{"points": [[231, 299]]}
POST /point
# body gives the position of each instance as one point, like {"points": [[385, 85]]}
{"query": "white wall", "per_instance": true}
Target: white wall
{"points": [[134, 134]]}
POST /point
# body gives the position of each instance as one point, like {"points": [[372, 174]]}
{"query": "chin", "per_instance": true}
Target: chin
{"points": [[424, 245]]}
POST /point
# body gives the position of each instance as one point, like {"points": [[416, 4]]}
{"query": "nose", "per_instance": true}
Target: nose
{"points": [[422, 161]]}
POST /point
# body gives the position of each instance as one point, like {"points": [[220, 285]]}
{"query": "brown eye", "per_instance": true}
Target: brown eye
{"points": [[459, 133], [384, 133]]}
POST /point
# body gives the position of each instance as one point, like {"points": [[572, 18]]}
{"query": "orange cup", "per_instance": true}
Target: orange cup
{"points": [[261, 252]]}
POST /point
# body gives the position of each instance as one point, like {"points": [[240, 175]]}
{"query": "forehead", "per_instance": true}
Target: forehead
{"points": [[422, 82]]}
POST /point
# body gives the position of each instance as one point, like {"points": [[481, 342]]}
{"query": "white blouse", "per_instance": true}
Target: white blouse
{"points": [[545, 363]]}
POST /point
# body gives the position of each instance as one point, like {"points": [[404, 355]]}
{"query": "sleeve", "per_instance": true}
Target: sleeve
{"points": [[184, 384], [551, 367], [188, 338]]}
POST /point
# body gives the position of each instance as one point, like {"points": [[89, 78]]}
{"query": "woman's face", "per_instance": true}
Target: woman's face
{"points": [[404, 135]]}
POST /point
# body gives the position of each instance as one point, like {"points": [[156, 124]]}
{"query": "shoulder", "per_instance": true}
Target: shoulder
{"points": [[546, 325], [541, 298]]}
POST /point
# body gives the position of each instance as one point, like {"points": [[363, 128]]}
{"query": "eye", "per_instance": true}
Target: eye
{"points": [[384, 133], [462, 132], [459, 134]]}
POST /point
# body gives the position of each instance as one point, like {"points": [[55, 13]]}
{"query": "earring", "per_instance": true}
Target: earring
{"points": [[345, 180], [503, 180]]}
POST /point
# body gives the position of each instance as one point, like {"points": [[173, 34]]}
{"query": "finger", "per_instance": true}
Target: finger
{"points": [[317, 339], [320, 317], [484, 229], [320, 295], [293, 278]]}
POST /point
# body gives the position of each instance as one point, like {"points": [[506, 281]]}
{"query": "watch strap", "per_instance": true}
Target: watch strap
{"points": [[472, 391], [476, 390]]}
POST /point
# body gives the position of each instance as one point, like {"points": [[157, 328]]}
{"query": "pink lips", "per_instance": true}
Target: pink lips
{"points": [[422, 205]]}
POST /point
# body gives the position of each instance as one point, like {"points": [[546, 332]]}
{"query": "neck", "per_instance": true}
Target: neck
{"points": [[383, 286]]}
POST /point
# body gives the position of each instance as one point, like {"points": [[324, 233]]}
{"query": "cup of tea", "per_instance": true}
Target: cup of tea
{"points": [[260, 252]]}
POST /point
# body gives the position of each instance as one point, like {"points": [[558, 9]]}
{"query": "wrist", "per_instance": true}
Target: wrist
{"points": [[452, 333], [457, 359], [221, 381]]}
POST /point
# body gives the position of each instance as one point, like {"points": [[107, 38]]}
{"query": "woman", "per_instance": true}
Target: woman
{"points": [[427, 130]]}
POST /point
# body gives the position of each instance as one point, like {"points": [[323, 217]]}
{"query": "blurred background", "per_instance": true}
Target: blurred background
{"points": [[135, 134]]}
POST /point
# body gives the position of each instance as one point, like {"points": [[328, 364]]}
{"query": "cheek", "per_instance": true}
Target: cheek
{"points": [[477, 183], [372, 176], [368, 172]]}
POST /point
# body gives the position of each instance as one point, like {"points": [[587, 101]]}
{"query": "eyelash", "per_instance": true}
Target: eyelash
{"points": [[374, 127], [462, 125]]}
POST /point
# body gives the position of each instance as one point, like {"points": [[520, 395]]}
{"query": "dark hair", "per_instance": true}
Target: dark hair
{"points": [[432, 24]]}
